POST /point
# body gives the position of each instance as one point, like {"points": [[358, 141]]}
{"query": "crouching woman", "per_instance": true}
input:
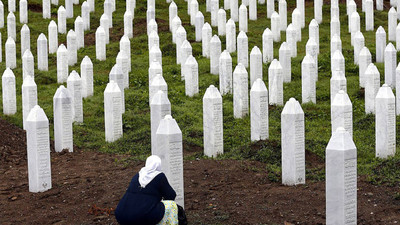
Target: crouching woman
{"points": [[149, 198]]}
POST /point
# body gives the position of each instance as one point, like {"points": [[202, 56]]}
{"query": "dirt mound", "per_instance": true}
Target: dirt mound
{"points": [[88, 185]]}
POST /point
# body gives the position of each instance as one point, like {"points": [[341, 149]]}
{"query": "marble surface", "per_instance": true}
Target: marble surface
{"points": [[213, 122], [267, 46], [342, 112], [191, 76], [312, 50], [293, 143], [11, 53], [112, 112], [336, 44], [180, 38], [385, 122], [230, 36], [313, 32], [158, 83], [28, 64], [87, 77], [286, 62], [364, 59], [63, 112], [9, 94], [199, 26], [338, 82], [369, 15], [390, 65], [225, 73], [338, 62], [74, 86], [29, 97], [221, 22], [380, 44], [100, 44], [259, 121], [282, 10], [160, 106], [341, 179], [243, 49], [215, 52], [372, 84], [243, 21], [206, 38], [117, 76], [291, 39], [240, 92], [308, 82], [392, 24], [359, 43], [72, 47], [256, 65], [275, 83], [275, 26]]}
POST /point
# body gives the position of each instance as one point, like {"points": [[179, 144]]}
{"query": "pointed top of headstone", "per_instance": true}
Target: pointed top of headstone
{"points": [[311, 42], [155, 65], [180, 30], [221, 11], [62, 48], [186, 45], [290, 27], [10, 41], [292, 107], [199, 14], [127, 13], [308, 59], [385, 92], [125, 38], [255, 51], [104, 17], [242, 35], [10, 15], [296, 11], [37, 115], [390, 48], [240, 69], [73, 76], [355, 15], [215, 39], [152, 22], [112, 87], [100, 30], [371, 69], [259, 86], [176, 19], [242, 7], [337, 55], [62, 92], [8, 73], [359, 35], [153, 34], [173, 5], [86, 61], [26, 28], [51, 24], [29, 82], [212, 92], [381, 30], [267, 32], [168, 125], [160, 98], [284, 47], [341, 99], [206, 26], [392, 10], [365, 52], [85, 4], [275, 15], [225, 55], [155, 49], [71, 33], [27, 54], [230, 22], [313, 23], [191, 60], [80, 20], [275, 64], [121, 55], [352, 2], [336, 38], [61, 9], [42, 37], [158, 80], [116, 70], [341, 140]]}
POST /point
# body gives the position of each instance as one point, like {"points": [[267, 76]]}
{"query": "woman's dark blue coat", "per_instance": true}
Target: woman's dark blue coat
{"points": [[143, 205]]}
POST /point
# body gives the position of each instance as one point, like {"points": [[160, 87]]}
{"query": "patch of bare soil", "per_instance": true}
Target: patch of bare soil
{"points": [[88, 185]]}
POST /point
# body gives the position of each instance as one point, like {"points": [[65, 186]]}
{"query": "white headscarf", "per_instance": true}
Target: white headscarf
{"points": [[151, 170]]}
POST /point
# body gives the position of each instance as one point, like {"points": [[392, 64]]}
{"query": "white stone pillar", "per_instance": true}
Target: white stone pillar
{"points": [[308, 82], [155, 54], [72, 47], [215, 52], [355, 25], [112, 112], [160, 106], [243, 23], [318, 10], [337, 62], [9, 92], [158, 83], [63, 114], [227, 4], [221, 22], [296, 22], [392, 24], [2, 14], [342, 112], [312, 50], [351, 7], [191, 76], [213, 122], [335, 27], [199, 23], [372, 84], [390, 65], [214, 12], [275, 27], [240, 92], [74, 86], [180, 38], [234, 10], [154, 69], [11, 55], [206, 38], [23, 11], [291, 39], [79, 32], [364, 59], [125, 47], [275, 83], [87, 77], [105, 24], [230, 36], [85, 14], [28, 64], [117, 76], [153, 40], [359, 43], [243, 49], [173, 12], [186, 51], [100, 44], [283, 15], [170, 150], [270, 8], [286, 62], [380, 44], [336, 44], [122, 61], [225, 73], [369, 15], [398, 37], [42, 55], [268, 45], [108, 11], [62, 64], [385, 123], [46, 9], [293, 144], [341, 179], [69, 8], [338, 82], [53, 37], [62, 20], [11, 26], [25, 39], [252, 9], [194, 8], [152, 26], [256, 65], [398, 90], [259, 111], [176, 23]]}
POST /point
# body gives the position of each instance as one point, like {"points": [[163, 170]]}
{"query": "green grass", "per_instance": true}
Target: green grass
{"points": [[188, 111]]}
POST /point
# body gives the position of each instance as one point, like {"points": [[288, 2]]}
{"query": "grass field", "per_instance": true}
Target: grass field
{"points": [[188, 111]]}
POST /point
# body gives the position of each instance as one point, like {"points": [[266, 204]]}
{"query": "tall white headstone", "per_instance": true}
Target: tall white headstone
{"points": [[267, 46], [318, 10], [215, 52], [275, 83], [62, 20], [240, 92], [87, 77], [355, 25], [206, 38], [170, 150], [105, 24], [392, 24], [11, 58], [380, 44], [341, 179], [53, 37], [85, 14], [23, 11], [369, 15], [283, 15], [221, 22], [38, 150], [128, 24], [385, 123], [79, 32], [359, 43], [194, 8], [186, 51], [46, 7], [9, 92], [256, 65], [11, 26], [160, 106], [372, 84], [25, 39], [338, 82], [173, 12], [312, 50], [42, 53], [117, 75], [225, 73], [62, 64], [364, 59], [342, 112], [243, 49], [199, 26], [291, 39], [234, 10], [243, 18], [157, 83], [29, 97], [74, 86], [122, 61], [398, 90], [100, 44], [270, 8], [213, 122], [191, 76], [214, 12], [335, 27], [286, 62], [180, 38], [390, 65], [252, 9], [63, 117], [308, 82], [155, 54], [293, 144], [112, 112], [72, 47], [337, 62], [275, 27], [230, 36], [259, 111], [28, 63]]}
